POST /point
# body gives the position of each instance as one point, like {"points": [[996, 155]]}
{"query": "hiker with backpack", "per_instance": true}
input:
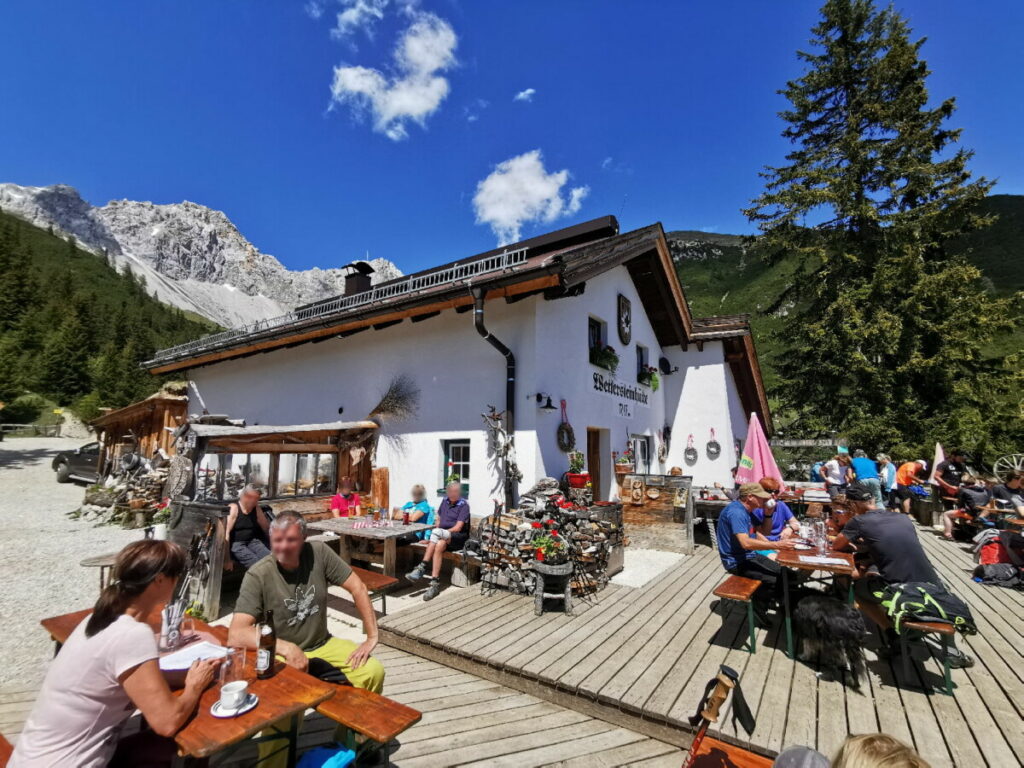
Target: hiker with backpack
{"points": [[891, 564]]}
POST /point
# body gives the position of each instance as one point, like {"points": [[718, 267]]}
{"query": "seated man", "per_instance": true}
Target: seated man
{"points": [[893, 555], [451, 533], [419, 510], [1010, 495], [949, 474], [246, 529], [739, 542], [779, 520], [971, 497], [293, 584]]}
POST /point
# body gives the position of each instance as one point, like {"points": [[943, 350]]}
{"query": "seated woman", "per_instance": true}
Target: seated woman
{"points": [[108, 668], [419, 509], [247, 529], [345, 503], [779, 521]]}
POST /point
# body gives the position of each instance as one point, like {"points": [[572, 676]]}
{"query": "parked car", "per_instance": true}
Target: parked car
{"points": [[79, 464]]}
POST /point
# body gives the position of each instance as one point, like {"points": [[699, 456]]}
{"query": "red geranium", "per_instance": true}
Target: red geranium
{"points": [[536, 524]]}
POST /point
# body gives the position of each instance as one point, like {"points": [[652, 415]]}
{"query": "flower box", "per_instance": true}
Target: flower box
{"points": [[577, 479]]}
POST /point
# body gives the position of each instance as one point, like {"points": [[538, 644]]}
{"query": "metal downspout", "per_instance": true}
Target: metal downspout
{"points": [[510, 383]]}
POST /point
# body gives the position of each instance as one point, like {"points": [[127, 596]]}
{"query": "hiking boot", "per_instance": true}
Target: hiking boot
{"points": [[433, 590], [960, 660], [417, 573]]}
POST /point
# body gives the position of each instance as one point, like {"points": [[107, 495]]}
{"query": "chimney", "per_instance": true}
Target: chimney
{"points": [[358, 279]]}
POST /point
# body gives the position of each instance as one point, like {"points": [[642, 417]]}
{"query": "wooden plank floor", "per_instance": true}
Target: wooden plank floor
{"points": [[640, 658], [466, 721]]}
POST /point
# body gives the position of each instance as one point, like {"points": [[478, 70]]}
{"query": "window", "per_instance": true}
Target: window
{"points": [[597, 333], [242, 469], [456, 460], [641, 364], [642, 454], [305, 474], [601, 354], [208, 476]]}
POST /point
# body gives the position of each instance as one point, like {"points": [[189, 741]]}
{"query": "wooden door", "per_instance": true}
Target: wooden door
{"points": [[594, 462]]}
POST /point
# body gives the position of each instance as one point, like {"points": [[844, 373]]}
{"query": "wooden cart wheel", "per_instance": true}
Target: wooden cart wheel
{"points": [[1004, 465]]}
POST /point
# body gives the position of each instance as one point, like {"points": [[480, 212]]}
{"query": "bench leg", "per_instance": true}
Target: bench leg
{"points": [[789, 618], [947, 675], [750, 626], [905, 654], [384, 604]]}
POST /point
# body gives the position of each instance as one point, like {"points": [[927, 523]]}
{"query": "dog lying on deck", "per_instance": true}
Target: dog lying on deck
{"points": [[831, 633]]}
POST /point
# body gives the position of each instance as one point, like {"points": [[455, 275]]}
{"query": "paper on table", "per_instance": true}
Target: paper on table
{"points": [[818, 560], [183, 659]]}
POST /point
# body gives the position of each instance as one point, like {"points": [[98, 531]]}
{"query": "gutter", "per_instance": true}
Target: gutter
{"points": [[478, 292]]}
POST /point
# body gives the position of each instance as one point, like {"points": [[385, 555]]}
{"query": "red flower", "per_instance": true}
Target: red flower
{"points": [[536, 524]]}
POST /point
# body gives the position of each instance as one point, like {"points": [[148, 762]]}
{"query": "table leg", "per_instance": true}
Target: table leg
{"points": [[789, 620], [390, 556], [293, 741], [343, 550]]}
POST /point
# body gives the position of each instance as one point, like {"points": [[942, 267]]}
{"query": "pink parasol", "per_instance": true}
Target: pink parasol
{"points": [[757, 460]]}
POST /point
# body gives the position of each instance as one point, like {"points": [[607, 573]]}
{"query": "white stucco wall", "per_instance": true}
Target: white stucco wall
{"points": [[459, 374]]}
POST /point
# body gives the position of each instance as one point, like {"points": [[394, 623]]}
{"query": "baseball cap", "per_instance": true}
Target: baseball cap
{"points": [[754, 489], [923, 463], [800, 757], [882, 457], [858, 492]]}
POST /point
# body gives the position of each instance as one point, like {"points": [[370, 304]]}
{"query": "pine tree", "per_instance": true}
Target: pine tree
{"points": [[64, 365], [885, 337]]}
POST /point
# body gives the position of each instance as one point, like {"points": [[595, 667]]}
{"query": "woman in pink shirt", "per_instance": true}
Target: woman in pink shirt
{"points": [[108, 668], [346, 502]]}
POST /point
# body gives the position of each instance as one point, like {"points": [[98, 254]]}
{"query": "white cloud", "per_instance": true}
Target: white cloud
{"points": [[358, 15], [415, 90], [526, 95], [606, 164], [472, 112], [315, 8], [521, 191]]}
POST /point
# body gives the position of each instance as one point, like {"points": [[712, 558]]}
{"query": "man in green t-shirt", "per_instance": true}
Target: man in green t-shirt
{"points": [[293, 584]]}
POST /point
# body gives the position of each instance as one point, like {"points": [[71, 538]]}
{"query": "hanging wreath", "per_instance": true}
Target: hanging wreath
{"points": [[566, 437]]}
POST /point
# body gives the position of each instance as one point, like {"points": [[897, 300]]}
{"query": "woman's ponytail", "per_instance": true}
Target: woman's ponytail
{"points": [[135, 568]]}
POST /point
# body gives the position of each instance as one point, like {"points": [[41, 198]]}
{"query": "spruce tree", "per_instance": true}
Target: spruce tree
{"points": [[887, 328], [64, 364]]}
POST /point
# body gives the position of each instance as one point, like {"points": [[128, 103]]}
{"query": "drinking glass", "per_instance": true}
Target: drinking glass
{"points": [[232, 668]]}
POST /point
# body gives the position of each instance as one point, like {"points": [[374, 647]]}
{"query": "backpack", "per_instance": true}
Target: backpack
{"points": [[922, 601]]}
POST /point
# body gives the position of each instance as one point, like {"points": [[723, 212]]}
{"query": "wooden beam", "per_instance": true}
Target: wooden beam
{"points": [[227, 446]]}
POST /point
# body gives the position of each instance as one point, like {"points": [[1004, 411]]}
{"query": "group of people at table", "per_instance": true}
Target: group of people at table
{"points": [[753, 527], [108, 668]]}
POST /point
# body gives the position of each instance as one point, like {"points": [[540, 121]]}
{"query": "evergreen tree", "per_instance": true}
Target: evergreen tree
{"points": [[64, 365], [887, 325], [18, 288]]}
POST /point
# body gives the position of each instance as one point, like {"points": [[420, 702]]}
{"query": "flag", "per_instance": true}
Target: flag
{"points": [[757, 460], [940, 456]]}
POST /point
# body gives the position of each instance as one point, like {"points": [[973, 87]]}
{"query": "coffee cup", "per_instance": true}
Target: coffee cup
{"points": [[234, 694]]}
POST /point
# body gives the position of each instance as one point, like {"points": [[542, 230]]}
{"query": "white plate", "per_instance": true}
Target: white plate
{"points": [[218, 711], [804, 547]]}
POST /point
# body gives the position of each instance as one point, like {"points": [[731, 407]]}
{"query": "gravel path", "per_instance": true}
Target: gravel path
{"points": [[39, 554]]}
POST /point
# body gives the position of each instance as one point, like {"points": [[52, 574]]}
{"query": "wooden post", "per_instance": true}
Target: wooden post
{"points": [[380, 487]]}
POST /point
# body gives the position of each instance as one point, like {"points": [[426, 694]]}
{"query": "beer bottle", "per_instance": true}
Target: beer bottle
{"points": [[265, 650]]}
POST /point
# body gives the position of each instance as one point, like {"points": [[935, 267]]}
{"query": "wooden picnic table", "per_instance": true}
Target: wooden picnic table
{"points": [[283, 697], [804, 560], [345, 529]]}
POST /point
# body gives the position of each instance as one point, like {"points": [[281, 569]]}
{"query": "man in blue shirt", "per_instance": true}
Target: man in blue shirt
{"points": [[451, 533], [867, 475], [739, 542]]}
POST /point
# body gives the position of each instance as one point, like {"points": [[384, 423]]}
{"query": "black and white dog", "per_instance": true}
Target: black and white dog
{"points": [[831, 633]]}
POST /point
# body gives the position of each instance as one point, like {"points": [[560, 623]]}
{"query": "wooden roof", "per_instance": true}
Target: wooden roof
{"points": [[135, 410]]}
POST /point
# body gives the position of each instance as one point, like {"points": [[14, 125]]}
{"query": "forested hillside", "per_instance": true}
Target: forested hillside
{"points": [[74, 329]]}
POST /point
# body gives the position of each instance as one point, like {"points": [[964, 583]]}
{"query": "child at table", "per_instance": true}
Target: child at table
{"points": [[345, 503]]}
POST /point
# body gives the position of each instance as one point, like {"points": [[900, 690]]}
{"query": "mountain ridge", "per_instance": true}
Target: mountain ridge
{"points": [[189, 255]]}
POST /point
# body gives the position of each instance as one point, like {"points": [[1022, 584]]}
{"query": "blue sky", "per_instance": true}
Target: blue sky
{"points": [[321, 145]]}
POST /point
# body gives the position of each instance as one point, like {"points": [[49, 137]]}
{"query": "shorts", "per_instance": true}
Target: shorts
{"points": [[903, 492]]}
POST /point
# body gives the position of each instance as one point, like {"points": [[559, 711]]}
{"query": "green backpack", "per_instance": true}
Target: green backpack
{"points": [[922, 601]]}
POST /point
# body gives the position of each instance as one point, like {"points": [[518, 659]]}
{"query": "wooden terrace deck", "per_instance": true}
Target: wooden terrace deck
{"points": [[639, 658]]}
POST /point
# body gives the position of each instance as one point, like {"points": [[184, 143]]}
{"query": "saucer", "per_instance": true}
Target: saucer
{"points": [[218, 711], [803, 547]]}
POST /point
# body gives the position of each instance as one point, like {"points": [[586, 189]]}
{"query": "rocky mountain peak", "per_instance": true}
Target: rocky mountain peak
{"points": [[191, 256]]}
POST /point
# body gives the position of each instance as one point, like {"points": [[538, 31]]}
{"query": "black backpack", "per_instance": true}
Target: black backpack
{"points": [[923, 601]]}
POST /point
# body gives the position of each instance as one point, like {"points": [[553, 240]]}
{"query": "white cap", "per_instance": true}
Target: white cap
{"points": [[923, 463]]}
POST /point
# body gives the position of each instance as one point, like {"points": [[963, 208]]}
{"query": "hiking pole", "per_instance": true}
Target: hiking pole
{"points": [[715, 694]]}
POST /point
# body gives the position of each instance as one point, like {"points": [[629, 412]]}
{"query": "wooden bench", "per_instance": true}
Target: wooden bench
{"points": [[377, 584], [945, 632], [376, 717], [465, 568], [104, 562], [741, 590]]}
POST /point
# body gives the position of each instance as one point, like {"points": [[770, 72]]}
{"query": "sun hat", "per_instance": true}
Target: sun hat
{"points": [[754, 489]]}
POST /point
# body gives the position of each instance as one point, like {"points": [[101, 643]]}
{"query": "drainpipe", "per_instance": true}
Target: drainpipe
{"points": [[510, 383]]}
